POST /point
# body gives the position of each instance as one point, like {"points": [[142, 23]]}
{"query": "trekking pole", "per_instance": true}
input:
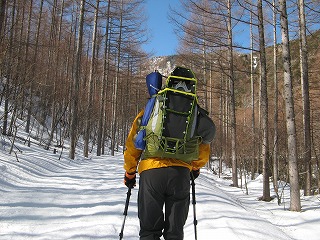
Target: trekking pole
{"points": [[195, 222], [125, 212]]}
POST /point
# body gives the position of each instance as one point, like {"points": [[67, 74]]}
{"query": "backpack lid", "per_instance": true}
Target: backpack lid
{"points": [[182, 79], [183, 72]]}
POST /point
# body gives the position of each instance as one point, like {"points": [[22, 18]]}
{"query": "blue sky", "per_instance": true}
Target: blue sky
{"points": [[163, 41]]}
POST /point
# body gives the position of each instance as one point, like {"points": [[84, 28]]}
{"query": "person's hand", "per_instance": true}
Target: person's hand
{"points": [[130, 179], [194, 174]]}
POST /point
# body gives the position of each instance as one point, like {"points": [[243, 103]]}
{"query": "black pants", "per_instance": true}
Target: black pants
{"points": [[169, 187]]}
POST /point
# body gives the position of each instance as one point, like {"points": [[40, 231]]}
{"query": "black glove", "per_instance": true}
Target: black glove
{"points": [[194, 174], [130, 180]]}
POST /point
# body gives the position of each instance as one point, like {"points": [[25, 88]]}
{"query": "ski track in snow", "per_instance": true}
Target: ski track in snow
{"points": [[46, 198]]}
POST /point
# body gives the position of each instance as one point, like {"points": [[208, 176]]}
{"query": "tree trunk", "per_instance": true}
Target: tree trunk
{"points": [[252, 69], [275, 115], [264, 106], [76, 84], [221, 122], [305, 97], [54, 36], [232, 100], [115, 86], [8, 69], [104, 85], [33, 71], [88, 121], [295, 204], [2, 13]]}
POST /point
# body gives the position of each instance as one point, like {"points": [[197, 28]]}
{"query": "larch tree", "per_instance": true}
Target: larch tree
{"points": [[232, 97], [8, 70], [276, 102], [88, 121], [31, 90], [264, 105], [116, 80], [2, 15], [305, 97], [253, 66], [106, 65], [76, 84], [295, 204]]}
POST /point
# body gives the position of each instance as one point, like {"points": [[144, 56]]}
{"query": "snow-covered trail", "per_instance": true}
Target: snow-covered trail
{"points": [[50, 199], [43, 198], [221, 214]]}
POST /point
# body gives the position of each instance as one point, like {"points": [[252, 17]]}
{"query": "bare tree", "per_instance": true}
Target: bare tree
{"points": [[30, 89], [295, 204], [9, 62], [106, 65], [88, 121], [305, 97], [54, 61], [253, 66], [2, 15], [232, 98], [264, 105], [116, 82], [76, 84], [276, 100]]}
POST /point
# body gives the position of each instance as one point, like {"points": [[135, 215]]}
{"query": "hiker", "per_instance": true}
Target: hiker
{"points": [[164, 182]]}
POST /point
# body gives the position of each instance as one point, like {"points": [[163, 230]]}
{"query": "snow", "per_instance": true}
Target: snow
{"points": [[43, 197]]}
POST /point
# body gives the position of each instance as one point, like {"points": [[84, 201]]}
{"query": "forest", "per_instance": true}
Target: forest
{"points": [[78, 67]]}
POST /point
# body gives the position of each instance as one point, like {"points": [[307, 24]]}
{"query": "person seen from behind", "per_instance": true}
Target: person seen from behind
{"points": [[164, 187]]}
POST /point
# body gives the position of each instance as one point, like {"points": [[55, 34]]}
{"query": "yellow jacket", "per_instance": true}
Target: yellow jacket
{"points": [[132, 155]]}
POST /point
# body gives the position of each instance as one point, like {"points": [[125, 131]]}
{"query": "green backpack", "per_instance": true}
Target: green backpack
{"points": [[171, 128]]}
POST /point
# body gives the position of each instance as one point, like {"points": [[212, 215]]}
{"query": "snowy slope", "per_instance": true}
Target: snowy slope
{"points": [[46, 198]]}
